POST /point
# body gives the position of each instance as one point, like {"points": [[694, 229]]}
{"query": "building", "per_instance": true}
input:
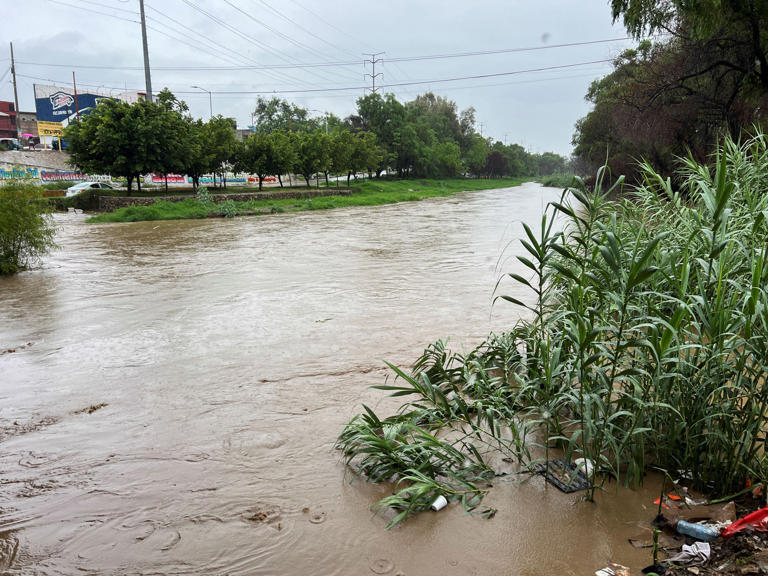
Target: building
{"points": [[27, 122], [8, 127]]}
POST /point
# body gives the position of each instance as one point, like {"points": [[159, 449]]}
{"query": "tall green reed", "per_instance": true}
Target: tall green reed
{"points": [[647, 346]]}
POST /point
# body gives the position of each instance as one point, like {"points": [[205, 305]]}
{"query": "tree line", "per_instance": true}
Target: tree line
{"points": [[424, 138], [704, 78]]}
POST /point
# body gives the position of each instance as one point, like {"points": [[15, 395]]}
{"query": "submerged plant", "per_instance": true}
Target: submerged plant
{"points": [[646, 347]]}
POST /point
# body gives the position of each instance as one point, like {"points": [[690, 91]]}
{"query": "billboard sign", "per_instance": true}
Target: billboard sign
{"points": [[49, 128], [56, 104]]}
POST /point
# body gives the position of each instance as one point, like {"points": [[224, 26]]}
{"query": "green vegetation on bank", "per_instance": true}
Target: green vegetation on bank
{"points": [[704, 76], [645, 349], [369, 193], [559, 180], [26, 229], [427, 137]]}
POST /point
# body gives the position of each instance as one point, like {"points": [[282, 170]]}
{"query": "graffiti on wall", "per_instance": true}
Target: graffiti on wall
{"points": [[18, 173]]}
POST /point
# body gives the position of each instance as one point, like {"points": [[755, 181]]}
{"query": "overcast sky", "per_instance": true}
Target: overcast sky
{"points": [[100, 40]]}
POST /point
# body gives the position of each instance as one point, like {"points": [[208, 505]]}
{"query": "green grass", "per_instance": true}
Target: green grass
{"points": [[369, 193], [557, 180]]}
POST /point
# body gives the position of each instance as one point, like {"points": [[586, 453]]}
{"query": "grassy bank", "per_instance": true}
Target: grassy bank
{"points": [[369, 193]]}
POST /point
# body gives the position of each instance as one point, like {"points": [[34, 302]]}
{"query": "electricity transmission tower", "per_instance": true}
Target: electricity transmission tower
{"points": [[373, 60]]}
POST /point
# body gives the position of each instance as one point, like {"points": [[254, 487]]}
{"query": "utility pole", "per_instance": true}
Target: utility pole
{"points": [[373, 74], [481, 127], [210, 99], [15, 91], [146, 51], [74, 85]]}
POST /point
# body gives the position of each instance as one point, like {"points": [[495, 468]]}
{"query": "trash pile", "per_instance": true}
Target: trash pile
{"points": [[700, 538]]}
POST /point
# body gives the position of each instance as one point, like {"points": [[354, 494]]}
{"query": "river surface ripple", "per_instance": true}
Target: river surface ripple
{"points": [[224, 357]]}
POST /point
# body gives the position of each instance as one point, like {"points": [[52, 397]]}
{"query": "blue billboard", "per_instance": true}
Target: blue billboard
{"points": [[57, 104]]}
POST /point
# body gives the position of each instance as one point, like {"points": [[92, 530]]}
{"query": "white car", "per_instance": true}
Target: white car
{"points": [[77, 188]]}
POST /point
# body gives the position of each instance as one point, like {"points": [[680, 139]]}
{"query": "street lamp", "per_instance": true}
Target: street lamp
{"points": [[210, 97], [325, 117]]}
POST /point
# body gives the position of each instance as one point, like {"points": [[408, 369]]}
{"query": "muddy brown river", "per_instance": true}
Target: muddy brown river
{"points": [[170, 393]]}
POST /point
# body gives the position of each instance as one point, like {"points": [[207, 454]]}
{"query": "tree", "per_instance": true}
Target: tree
{"points": [[677, 97], [105, 141], [128, 140], [386, 118], [171, 127], [366, 154], [738, 26], [550, 163], [254, 155], [495, 164], [284, 149], [313, 154], [196, 161], [275, 115], [477, 155], [445, 160], [219, 139], [26, 228], [342, 148]]}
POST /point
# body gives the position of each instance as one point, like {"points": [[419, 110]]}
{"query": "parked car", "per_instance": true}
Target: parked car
{"points": [[77, 188], [9, 144]]}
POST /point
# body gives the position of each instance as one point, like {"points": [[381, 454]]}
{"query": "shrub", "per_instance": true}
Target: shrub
{"points": [[26, 228], [228, 209], [646, 347]]}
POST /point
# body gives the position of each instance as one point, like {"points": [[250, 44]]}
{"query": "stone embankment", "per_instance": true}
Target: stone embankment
{"points": [[43, 159], [112, 203]]}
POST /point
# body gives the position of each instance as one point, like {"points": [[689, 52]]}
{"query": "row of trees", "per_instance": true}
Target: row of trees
{"points": [[424, 138], [680, 95], [128, 140], [307, 153]]}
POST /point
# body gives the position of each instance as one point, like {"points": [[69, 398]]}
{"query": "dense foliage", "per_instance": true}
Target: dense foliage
{"points": [[26, 228], [707, 76], [424, 138], [645, 348], [129, 140]]}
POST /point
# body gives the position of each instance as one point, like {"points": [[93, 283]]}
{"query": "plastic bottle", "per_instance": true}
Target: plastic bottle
{"points": [[699, 532]]}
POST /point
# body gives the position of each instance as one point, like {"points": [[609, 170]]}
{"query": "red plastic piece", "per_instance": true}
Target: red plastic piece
{"points": [[757, 520]]}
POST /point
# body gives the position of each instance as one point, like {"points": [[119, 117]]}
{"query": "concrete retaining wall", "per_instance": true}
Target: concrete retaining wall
{"points": [[112, 203]]}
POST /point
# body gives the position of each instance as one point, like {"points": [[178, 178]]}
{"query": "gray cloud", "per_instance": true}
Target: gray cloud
{"points": [[536, 109]]}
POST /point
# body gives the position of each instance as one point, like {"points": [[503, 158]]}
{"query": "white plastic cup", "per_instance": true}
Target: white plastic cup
{"points": [[439, 503], [586, 465]]}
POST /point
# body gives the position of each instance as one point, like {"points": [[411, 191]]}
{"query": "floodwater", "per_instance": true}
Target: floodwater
{"points": [[170, 393]]}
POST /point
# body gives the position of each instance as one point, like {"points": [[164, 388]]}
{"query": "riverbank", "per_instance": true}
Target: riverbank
{"points": [[369, 193]]}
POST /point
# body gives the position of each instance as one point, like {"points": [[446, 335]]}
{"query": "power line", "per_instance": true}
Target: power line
{"points": [[392, 85], [245, 67], [271, 29], [329, 24], [92, 11], [300, 27], [223, 50], [504, 50], [237, 55], [416, 82], [330, 63], [235, 31], [100, 5], [181, 40]]}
